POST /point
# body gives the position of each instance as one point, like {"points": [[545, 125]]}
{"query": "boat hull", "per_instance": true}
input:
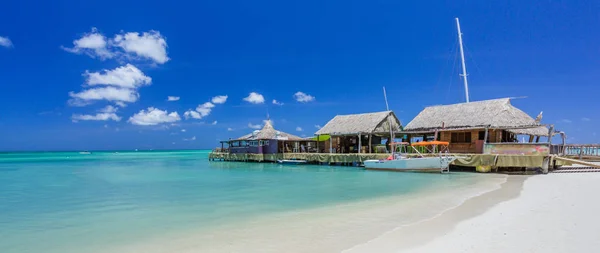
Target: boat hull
{"points": [[291, 162], [425, 164]]}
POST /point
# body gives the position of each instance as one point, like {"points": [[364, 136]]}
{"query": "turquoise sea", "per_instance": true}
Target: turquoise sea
{"points": [[72, 202]]}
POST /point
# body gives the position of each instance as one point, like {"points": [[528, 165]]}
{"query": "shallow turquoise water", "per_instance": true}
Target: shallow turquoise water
{"points": [[70, 202]]}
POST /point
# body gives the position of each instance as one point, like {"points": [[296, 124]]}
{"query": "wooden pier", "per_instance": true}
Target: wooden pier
{"points": [[492, 162]]}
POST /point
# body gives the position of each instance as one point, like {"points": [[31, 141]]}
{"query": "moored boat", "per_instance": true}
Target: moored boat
{"points": [[292, 162], [420, 163]]}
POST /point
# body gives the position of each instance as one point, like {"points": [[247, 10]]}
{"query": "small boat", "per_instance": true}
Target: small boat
{"points": [[404, 162], [292, 162], [420, 163], [85, 153]]}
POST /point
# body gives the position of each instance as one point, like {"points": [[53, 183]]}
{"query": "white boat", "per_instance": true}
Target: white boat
{"points": [[85, 153], [293, 162], [400, 162]]}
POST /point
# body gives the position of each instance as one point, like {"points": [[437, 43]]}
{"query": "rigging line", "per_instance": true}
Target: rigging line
{"points": [[438, 83], [452, 72], [473, 59]]}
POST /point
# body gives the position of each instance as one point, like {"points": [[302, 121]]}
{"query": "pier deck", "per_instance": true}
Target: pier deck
{"points": [[464, 160]]}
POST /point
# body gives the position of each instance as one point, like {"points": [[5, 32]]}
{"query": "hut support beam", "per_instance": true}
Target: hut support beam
{"points": [[485, 135], [370, 143], [330, 145], [359, 143], [318, 151]]}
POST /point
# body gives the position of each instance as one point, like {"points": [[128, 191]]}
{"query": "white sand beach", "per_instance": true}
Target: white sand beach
{"points": [[541, 213], [552, 213]]}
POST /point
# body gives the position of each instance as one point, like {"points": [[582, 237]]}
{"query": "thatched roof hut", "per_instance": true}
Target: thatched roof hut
{"points": [[493, 114], [269, 133], [365, 123]]}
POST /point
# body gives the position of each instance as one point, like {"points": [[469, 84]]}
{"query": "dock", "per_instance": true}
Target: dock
{"points": [[493, 162]]}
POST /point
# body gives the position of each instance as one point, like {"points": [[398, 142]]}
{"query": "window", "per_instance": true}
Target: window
{"points": [[461, 137], [253, 143], [243, 144], [263, 143], [481, 135], [235, 144]]}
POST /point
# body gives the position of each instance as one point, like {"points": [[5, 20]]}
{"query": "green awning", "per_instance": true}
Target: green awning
{"points": [[321, 137]]}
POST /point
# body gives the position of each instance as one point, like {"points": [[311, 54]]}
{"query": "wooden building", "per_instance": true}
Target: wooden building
{"points": [[268, 141], [468, 126], [359, 133]]}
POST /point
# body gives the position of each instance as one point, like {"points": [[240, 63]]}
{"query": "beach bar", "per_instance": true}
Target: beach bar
{"points": [[470, 126], [360, 133], [265, 144]]}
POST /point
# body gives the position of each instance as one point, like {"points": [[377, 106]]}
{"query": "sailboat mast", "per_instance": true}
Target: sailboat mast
{"points": [[387, 107], [462, 57]]}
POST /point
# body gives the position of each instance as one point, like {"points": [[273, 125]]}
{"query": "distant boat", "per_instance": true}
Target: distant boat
{"points": [[85, 153], [291, 162]]}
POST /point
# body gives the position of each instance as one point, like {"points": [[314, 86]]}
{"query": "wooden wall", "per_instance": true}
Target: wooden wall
{"points": [[475, 146]]}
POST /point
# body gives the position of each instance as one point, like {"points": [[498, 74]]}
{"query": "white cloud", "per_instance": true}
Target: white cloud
{"points": [[258, 126], [172, 98], [151, 45], [303, 97], [192, 114], [93, 44], [153, 116], [585, 119], [183, 130], [104, 93], [214, 122], [106, 113], [204, 109], [229, 129], [299, 129], [127, 76], [120, 104], [190, 139], [219, 99], [318, 126], [254, 98], [568, 121], [5, 42], [275, 102]]}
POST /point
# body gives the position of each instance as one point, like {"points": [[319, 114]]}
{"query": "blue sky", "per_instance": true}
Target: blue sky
{"points": [[76, 75]]}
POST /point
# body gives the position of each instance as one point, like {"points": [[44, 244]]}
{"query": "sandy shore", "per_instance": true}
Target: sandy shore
{"points": [[327, 229], [544, 213]]}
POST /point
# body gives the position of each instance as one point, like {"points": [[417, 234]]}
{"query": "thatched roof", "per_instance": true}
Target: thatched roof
{"points": [[366, 123], [537, 131], [269, 133], [496, 114]]}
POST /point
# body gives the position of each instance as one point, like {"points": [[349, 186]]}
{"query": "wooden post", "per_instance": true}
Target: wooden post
{"points": [[485, 136], [537, 139], [370, 141], [318, 151], [359, 143], [330, 144], [550, 132]]}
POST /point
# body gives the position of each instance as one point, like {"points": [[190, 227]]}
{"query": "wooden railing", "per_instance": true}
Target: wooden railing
{"points": [[582, 150]]}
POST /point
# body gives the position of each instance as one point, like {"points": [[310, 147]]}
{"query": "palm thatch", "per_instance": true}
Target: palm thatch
{"points": [[366, 123], [536, 131], [495, 114], [269, 133]]}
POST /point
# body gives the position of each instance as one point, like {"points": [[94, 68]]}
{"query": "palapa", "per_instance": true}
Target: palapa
{"points": [[493, 114], [269, 133], [364, 123]]}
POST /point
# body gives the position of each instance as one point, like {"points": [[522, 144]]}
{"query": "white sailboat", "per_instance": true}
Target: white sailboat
{"points": [[403, 162], [417, 163]]}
